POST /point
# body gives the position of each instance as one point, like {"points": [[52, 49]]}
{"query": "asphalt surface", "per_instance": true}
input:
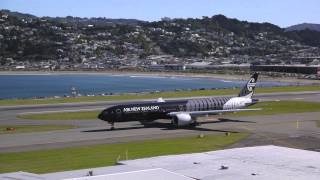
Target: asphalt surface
{"points": [[297, 130]]}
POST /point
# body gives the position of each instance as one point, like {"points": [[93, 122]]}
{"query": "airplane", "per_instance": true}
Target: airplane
{"points": [[181, 112]]}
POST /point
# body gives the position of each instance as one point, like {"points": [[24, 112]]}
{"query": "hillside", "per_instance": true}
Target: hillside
{"points": [[117, 42], [304, 26]]}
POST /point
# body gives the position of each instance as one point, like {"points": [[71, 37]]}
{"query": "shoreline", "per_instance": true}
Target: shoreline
{"points": [[165, 74]]}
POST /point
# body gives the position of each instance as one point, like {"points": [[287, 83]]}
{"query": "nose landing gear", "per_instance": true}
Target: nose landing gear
{"points": [[112, 126]]}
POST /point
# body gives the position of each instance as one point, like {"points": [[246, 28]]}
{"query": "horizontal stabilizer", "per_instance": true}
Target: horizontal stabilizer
{"points": [[160, 100]]}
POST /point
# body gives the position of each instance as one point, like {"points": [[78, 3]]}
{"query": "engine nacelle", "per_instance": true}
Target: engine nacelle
{"points": [[183, 119]]}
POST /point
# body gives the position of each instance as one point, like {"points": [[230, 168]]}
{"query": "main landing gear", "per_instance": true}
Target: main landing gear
{"points": [[195, 124], [145, 123]]}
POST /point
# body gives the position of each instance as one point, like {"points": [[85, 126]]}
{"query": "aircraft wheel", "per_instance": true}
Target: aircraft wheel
{"points": [[174, 122], [145, 123], [112, 126], [194, 124]]}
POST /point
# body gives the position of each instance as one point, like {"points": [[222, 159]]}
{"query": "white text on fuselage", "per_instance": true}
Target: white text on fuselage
{"points": [[141, 109]]}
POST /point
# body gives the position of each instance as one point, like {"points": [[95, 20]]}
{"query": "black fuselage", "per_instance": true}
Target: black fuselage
{"points": [[159, 110]]}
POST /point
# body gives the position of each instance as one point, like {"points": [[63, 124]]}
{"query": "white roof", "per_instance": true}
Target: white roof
{"points": [[263, 162], [21, 176], [154, 174]]}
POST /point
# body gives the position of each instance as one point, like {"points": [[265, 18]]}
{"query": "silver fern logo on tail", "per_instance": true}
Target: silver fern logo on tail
{"points": [[251, 84], [248, 89]]}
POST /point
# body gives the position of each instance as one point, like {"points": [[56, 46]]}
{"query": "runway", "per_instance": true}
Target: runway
{"points": [[292, 130]]}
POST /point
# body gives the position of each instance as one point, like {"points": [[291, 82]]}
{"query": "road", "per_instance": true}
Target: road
{"points": [[293, 130]]}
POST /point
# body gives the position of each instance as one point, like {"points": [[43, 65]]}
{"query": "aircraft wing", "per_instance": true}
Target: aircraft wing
{"points": [[199, 113]]}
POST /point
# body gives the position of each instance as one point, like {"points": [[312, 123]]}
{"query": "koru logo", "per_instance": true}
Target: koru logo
{"points": [[251, 84]]}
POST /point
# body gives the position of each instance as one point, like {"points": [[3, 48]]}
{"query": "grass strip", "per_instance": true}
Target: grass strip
{"points": [[13, 129], [46, 161], [281, 107], [176, 94], [79, 115]]}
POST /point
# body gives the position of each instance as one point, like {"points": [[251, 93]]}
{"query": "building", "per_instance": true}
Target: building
{"points": [[294, 69], [167, 67], [261, 162]]}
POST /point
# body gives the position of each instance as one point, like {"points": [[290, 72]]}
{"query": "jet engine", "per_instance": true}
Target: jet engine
{"points": [[182, 119]]}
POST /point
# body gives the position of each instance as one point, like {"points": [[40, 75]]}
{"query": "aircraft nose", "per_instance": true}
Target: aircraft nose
{"points": [[101, 116]]}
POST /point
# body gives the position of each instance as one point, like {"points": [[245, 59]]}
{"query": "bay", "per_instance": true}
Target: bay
{"points": [[50, 85]]}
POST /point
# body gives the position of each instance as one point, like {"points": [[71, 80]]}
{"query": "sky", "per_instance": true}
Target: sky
{"points": [[280, 12]]}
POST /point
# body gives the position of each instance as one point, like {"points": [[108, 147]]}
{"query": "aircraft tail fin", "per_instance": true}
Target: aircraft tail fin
{"points": [[248, 89]]}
